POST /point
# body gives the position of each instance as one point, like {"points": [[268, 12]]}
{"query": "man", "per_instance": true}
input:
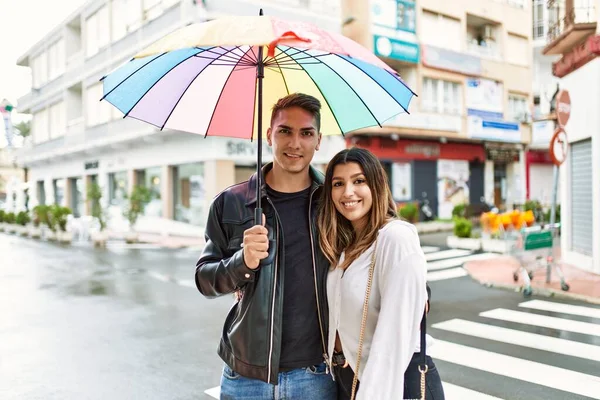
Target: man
{"points": [[274, 338]]}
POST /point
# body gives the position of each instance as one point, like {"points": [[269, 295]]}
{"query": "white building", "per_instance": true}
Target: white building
{"points": [[77, 140], [575, 36]]}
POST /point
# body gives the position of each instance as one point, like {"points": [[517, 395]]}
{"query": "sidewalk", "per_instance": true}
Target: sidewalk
{"points": [[498, 272]]}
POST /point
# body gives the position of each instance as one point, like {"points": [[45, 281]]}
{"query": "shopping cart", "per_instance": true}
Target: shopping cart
{"points": [[534, 247]]}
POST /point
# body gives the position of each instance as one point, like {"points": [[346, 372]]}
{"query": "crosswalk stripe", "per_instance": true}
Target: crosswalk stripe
{"points": [[541, 320], [439, 255], [213, 392], [562, 308], [453, 392], [429, 249], [446, 274], [458, 261], [187, 283], [512, 367], [520, 338]]}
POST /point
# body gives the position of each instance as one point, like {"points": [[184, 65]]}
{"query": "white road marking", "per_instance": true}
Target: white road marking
{"points": [[541, 320], [520, 338], [446, 274], [440, 255], [512, 367], [458, 261], [562, 308]]}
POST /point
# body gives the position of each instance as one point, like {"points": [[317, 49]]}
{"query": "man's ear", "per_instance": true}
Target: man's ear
{"points": [[319, 141], [269, 142]]}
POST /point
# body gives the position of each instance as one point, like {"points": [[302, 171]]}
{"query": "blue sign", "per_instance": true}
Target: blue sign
{"points": [[396, 49], [487, 126]]}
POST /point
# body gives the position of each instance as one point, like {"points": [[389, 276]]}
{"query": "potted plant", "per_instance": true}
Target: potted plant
{"points": [[59, 217], [462, 239], [409, 212], [138, 200], [39, 220], [22, 219], [9, 220], [2, 217], [94, 194]]}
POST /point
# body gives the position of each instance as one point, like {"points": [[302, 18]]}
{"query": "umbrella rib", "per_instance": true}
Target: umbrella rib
{"points": [[221, 94], [130, 75], [283, 77], [324, 98], [184, 92], [378, 84], [359, 97]]}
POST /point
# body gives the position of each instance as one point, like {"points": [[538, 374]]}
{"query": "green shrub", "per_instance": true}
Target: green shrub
{"points": [[57, 217], [462, 227], [2, 216], [409, 212], [23, 218], [139, 198], [40, 215], [10, 218], [556, 214], [94, 194], [459, 210]]}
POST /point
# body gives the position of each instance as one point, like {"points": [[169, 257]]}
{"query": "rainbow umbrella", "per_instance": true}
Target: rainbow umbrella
{"points": [[213, 78]]}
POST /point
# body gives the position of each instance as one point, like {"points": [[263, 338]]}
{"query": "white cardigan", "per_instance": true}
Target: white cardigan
{"points": [[396, 306]]}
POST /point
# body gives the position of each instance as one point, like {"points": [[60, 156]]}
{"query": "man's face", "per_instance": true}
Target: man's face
{"points": [[294, 137]]}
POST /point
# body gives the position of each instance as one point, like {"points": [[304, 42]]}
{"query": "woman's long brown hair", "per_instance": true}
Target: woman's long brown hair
{"points": [[336, 232]]}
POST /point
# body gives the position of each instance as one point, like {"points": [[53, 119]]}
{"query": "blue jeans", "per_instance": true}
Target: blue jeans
{"points": [[299, 384]]}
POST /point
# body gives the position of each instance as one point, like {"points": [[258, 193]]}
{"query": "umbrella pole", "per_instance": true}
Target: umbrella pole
{"points": [[260, 74]]}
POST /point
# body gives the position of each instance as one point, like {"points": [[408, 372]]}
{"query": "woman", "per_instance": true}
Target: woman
{"points": [[360, 235]]}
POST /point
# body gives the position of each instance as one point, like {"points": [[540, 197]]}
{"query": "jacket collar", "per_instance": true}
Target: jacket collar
{"points": [[317, 181]]}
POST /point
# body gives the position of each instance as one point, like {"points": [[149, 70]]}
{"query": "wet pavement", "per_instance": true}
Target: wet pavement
{"points": [[128, 323]]}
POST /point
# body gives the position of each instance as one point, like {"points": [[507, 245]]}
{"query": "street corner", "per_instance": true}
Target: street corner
{"points": [[504, 272]]}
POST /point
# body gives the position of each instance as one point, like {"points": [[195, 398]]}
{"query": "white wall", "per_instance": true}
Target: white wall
{"points": [[584, 88]]}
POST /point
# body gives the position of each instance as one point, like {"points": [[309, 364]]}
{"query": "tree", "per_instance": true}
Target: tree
{"points": [[23, 128]]}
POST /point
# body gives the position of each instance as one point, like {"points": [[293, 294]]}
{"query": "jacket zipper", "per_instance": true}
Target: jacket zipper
{"points": [[312, 249], [274, 290]]}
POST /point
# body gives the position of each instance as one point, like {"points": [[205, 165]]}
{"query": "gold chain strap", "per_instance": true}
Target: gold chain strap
{"points": [[363, 323]]}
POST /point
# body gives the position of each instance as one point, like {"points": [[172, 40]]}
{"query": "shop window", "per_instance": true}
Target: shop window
{"points": [[190, 194]]}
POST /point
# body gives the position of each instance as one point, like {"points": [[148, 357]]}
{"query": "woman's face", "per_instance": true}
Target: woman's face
{"points": [[351, 193]]}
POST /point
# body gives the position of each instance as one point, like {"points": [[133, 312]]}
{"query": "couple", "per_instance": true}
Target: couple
{"points": [[337, 244]]}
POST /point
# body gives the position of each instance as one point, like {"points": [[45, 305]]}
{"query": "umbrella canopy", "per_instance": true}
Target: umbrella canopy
{"points": [[203, 78]]}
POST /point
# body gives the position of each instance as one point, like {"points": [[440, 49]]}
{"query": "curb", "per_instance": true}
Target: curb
{"points": [[537, 291]]}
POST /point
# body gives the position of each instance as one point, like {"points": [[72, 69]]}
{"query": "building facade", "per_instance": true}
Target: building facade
{"points": [[575, 38], [77, 140], [470, 64]]}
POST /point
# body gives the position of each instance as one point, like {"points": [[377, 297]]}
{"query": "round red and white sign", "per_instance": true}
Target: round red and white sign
{"points": [[559, 146], [563, 107]]}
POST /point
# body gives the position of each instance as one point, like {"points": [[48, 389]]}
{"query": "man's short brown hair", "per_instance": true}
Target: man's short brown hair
{"points": [[304, 101]]}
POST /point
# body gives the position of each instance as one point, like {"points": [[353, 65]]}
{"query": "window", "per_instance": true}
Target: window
{"points": [[152, 9], [538, 19], [40, 127], [39, 66], [440, 31], [406, 16], [117, 188], [56, 59], [58, 120], [118, 26], [442, 97], [518, 51], [96, 111], [518, 109], [133, 14], [97, 33]]}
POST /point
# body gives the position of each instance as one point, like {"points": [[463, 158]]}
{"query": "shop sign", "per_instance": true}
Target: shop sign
{"points": [[396, 49], [578, 57], [427, 150], [426, 121], [91, 165], [502, 155], [436, 57], [492, 129], [245, 148]]}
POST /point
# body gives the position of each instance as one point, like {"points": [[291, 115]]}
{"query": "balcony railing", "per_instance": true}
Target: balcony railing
{"points": [[575, 16], [489, 50]]}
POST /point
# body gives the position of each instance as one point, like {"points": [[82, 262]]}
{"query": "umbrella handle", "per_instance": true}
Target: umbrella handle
{"points": [[272, 243]]}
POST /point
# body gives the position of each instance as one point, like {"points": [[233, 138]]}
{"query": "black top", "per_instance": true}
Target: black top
{"points": [[301, 337]]}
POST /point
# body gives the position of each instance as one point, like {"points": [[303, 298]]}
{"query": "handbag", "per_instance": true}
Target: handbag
{"points": [[423, 360]]}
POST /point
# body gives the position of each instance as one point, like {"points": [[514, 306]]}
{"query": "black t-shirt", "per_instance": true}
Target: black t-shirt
{"points": [[301, 337]]}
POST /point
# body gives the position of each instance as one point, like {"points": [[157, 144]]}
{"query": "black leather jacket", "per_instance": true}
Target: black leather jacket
{"points": [[251, 340]]}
